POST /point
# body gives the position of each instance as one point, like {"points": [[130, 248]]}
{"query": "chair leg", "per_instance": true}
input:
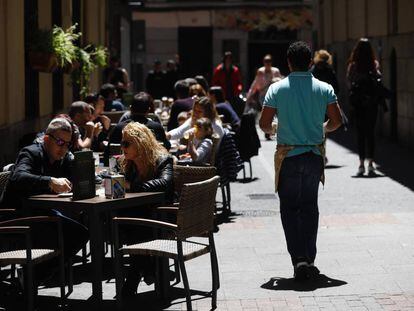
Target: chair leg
{"points": [[29, 286], [62, 280], [70, 277], [184, 275], [177, 272], [224, 199], [118, 265], [251, 171], [228, 194], [244, 172], [214, 271]]}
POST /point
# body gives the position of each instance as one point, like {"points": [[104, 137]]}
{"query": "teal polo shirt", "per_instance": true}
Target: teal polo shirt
{"points": [[301, 101]]}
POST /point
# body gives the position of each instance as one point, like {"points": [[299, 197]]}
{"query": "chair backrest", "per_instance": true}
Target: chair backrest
{"points": [[4, 178], [195, 214], [190, 174], [114, 116], [216, 142]]}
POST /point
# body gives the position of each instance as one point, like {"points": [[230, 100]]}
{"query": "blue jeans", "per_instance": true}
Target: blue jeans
{"points": [[298, 193]]}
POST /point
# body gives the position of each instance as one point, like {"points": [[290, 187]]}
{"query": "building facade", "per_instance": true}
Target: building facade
{"points": [[28, 98], [388, 23], [199, 32]]}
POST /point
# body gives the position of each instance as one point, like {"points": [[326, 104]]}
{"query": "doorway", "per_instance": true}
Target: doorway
{"points": [[196, 51]]}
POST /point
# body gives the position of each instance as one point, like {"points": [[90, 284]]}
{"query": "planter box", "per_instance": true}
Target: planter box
{"points": [[44, 62]]}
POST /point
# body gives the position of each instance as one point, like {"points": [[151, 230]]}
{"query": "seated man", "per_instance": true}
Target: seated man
{"points": [[41, 168], [81, 115], [139, 109], [183, 103], [109, 93]]}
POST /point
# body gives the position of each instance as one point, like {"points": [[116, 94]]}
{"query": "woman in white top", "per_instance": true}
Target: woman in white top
{"points": [[202, 108]]}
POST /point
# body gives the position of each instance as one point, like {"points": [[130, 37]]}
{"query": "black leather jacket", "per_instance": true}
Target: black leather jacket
{"points": [[161, 182]]}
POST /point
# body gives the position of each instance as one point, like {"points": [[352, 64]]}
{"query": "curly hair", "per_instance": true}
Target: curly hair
{"points": [[148, 147]]}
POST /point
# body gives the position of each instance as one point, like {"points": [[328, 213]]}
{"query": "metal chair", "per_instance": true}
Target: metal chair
{"points": [[28, 257], [195, 217]]}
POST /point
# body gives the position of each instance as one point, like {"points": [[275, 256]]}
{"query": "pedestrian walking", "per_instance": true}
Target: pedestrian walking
{"points": [[300, 102], [366, 94], [264, 78], [322, 70], [228, 76]]}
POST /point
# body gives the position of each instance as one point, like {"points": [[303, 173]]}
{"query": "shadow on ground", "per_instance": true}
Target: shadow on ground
{"points": [[142, 301], [392, 159], [321, 281]]}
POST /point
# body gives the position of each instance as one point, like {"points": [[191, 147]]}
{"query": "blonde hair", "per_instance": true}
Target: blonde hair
{"points": [[209, 109], [142, 138], [322, 56]]}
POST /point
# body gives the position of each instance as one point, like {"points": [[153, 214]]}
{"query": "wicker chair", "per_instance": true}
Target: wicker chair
{"points": [[189, 174], [5, 213], [195, 217], [19, 229]]}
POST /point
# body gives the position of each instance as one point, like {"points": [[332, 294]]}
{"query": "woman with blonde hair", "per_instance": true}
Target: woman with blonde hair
{"points": [[202, 108], [145, 162], [322, 69], [147, 167]]}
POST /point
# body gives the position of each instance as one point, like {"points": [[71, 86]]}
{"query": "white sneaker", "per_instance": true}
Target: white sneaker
{"points": [[361, 171]]}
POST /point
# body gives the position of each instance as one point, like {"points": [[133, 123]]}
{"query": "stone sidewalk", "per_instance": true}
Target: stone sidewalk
{"points": [[365, 248]]}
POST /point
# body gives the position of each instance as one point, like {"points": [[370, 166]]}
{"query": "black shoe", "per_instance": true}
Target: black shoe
{"points": [[301, 273], [313, 271]]}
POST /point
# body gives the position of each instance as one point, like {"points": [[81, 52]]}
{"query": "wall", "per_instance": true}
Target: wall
{"points": [[372, 18], [45, 79]]}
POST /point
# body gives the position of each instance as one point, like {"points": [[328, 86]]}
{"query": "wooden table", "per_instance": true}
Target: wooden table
{"points": [[95, 208]]}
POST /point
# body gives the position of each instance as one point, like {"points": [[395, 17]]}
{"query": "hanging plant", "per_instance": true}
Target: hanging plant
{"points": [[64, 45], [41, 54], [90, 57], [49, 49]]}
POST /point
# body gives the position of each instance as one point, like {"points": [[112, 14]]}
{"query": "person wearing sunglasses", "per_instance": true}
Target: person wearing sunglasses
{"points": [[43, 168], [147, 167]]}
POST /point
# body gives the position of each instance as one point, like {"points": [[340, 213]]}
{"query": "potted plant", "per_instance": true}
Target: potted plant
{"points": [[49, 49], [65, 48], [41, 54]]}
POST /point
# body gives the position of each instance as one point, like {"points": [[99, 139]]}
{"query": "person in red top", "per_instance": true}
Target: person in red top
{"points": [[228, 77]]}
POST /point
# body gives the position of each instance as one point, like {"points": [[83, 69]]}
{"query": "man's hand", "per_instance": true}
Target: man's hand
{"points": [[89, 127], [97, 129], [60, 185], [266, 120], [334, 116]]}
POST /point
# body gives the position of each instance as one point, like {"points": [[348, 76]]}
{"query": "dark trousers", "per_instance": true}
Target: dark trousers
{"points": [[298, 193], [366, 118]]}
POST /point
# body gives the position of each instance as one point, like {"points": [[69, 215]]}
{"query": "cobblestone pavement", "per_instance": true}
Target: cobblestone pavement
{"points": [[365, 246]]}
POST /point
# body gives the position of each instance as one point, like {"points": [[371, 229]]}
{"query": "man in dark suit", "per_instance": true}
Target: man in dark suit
{"points": [[41, 168]]}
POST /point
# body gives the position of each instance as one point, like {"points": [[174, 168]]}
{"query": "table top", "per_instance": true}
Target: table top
{"points": [[52, 201]]}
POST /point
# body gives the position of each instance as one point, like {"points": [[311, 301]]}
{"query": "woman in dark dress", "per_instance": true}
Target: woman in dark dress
{"points": [[147, 167], [363, 75]]}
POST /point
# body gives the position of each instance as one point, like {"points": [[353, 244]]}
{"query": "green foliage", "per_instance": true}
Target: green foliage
{"points": [[64, 47], [90, 58], [100, 56]]}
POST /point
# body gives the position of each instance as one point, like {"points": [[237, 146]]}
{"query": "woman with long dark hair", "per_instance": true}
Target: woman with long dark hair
{"points": [[363, 76]]}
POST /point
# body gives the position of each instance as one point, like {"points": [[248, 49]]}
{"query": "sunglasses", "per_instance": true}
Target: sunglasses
{"points": [[60, 142], [125, 143]]}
